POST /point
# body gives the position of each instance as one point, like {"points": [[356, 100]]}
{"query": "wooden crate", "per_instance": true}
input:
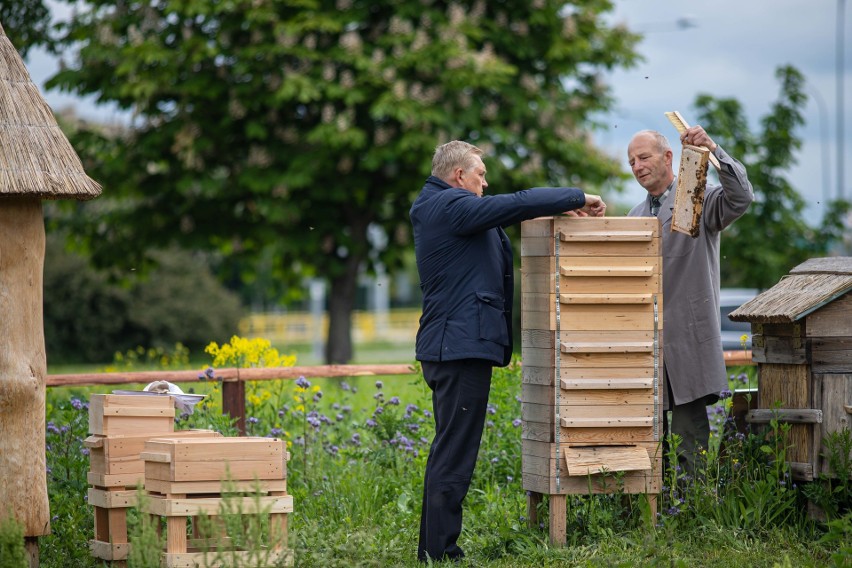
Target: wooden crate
{"points": [[128, 415], [116, 472], [185, 478], [591, 320]]}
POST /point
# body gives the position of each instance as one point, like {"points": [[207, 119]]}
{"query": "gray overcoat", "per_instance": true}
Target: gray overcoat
{"points": [[692, 343]]}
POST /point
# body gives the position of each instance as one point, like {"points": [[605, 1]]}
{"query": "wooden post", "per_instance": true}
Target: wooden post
{"points": [[23, 366], [234, 402]]}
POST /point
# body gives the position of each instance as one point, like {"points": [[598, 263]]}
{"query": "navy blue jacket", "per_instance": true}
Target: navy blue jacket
{"points": [[465, 263]]}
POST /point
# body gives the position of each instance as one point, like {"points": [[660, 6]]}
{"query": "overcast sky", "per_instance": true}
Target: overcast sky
{"points": [[724, 48]]}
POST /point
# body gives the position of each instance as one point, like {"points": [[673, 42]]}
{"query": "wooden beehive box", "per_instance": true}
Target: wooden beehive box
{"points": [[591, 319], [128, 415], [178, 460], [119, 457], [802, 344]]}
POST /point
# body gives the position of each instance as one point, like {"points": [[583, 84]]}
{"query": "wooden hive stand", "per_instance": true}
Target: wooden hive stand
{"points": [[120, 425], [186, 478], [591, 321]]}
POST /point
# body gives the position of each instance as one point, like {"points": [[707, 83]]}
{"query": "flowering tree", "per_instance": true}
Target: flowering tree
{"points": [[294, 136]]}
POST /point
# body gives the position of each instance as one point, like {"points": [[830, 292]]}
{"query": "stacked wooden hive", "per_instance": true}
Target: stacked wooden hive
{"points": [[134, 445], [185, 479], [591, 319]]}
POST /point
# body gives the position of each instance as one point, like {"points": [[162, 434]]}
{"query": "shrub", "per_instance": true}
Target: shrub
{"points": [[12, 552]]}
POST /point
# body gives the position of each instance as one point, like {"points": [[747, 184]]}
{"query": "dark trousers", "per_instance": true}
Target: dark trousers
{"points": [[459, 401], [690, 422]]}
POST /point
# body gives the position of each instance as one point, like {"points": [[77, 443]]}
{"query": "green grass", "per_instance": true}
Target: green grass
{"points": [[356, 478]]}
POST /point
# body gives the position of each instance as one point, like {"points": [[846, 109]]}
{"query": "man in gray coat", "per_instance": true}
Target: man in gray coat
{"points": [[694, 367]]}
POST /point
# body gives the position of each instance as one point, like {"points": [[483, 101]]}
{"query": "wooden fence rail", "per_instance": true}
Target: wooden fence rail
{"points": [[233, 380]]}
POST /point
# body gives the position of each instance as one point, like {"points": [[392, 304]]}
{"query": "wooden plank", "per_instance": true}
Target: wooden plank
{"points": [[282, 557], [215, 471], [834, 400], [830, 354], [832, 320], [631, 482], [607, 317], [601, 459], [538, 246], [801, 471], [605, 225], [113, 552], [536, 375], [785, 415], [607, 397], [615, 285], [609, 347], [111, 499], [611, 236], [689, 194], [607, 422], [549, 450], [608, 249], [228, 449], [608, 360], [213, 506], [606, 383], [543, 432], [120, 480], [646, 298], [558, 511], [538, 227], [537, 394], [608, 271], [166, 487]]}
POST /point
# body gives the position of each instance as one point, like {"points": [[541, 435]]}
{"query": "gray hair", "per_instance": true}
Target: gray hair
{"points": [[452, 155], [661, 141]]}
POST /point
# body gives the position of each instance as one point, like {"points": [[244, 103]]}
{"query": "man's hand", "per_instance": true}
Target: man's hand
{"points": [[594, 207], [695, 136]]}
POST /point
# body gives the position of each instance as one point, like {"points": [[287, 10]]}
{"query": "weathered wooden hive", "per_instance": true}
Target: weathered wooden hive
{"points": [[591, 320], [802, 344]]}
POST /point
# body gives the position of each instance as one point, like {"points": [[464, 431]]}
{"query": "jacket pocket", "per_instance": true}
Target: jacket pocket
{"points": [[705, 318], [492, 318]]}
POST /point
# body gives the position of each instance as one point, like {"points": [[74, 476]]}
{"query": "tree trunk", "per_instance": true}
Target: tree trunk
{"points": [[341, 302], [23, 365]]}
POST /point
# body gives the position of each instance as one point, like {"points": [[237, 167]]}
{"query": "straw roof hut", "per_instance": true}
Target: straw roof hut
{"points": [[802, 344], [36, 162], [807, 288]]}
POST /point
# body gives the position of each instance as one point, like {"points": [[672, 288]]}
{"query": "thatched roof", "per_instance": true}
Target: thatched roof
{"points": [[808, 287], [35, 156]]}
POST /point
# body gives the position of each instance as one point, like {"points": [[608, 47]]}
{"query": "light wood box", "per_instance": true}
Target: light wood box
{"points": [[128, 415], [214, 459]]}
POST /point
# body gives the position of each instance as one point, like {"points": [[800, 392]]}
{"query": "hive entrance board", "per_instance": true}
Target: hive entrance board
{"points": [[689, 195], [589, 460]]}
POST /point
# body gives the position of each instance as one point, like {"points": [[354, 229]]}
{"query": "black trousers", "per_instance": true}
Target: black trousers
{"points": [[459, 402], [690, 422]]}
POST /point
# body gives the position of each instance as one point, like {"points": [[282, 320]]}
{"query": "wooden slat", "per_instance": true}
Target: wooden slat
{"points": [[613, 347], [606, 298], [600, 459], [611, 236], [785, 415], [212, 505], [626, 383], [603, 422], [607, 271]]}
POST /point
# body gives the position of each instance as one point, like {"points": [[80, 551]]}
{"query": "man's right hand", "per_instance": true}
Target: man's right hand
{"points": [[594, 207]]}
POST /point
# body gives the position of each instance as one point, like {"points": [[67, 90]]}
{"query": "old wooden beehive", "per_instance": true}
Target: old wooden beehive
{"points": [[591, 320], [802, 344]]}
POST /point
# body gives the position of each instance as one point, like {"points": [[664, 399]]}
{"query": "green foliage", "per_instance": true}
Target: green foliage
{"points": [[833, 492], [12, 552], [26, 24], [292, 137], [774, 235], [89, 314]]}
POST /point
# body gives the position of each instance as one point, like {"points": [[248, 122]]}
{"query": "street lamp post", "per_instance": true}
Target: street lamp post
{"points": [[841, 26]]}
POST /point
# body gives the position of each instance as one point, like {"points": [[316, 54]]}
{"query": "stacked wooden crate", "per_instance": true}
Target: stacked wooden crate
{"points": [[185, 478], [591, 319], [119, 426]]}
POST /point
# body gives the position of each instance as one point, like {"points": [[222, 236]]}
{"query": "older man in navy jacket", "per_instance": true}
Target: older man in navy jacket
{"points": [[465, 263]]}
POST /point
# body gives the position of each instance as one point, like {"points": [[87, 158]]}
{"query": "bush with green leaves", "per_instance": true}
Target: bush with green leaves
{"points": [[12, 551], [177, 301]]}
